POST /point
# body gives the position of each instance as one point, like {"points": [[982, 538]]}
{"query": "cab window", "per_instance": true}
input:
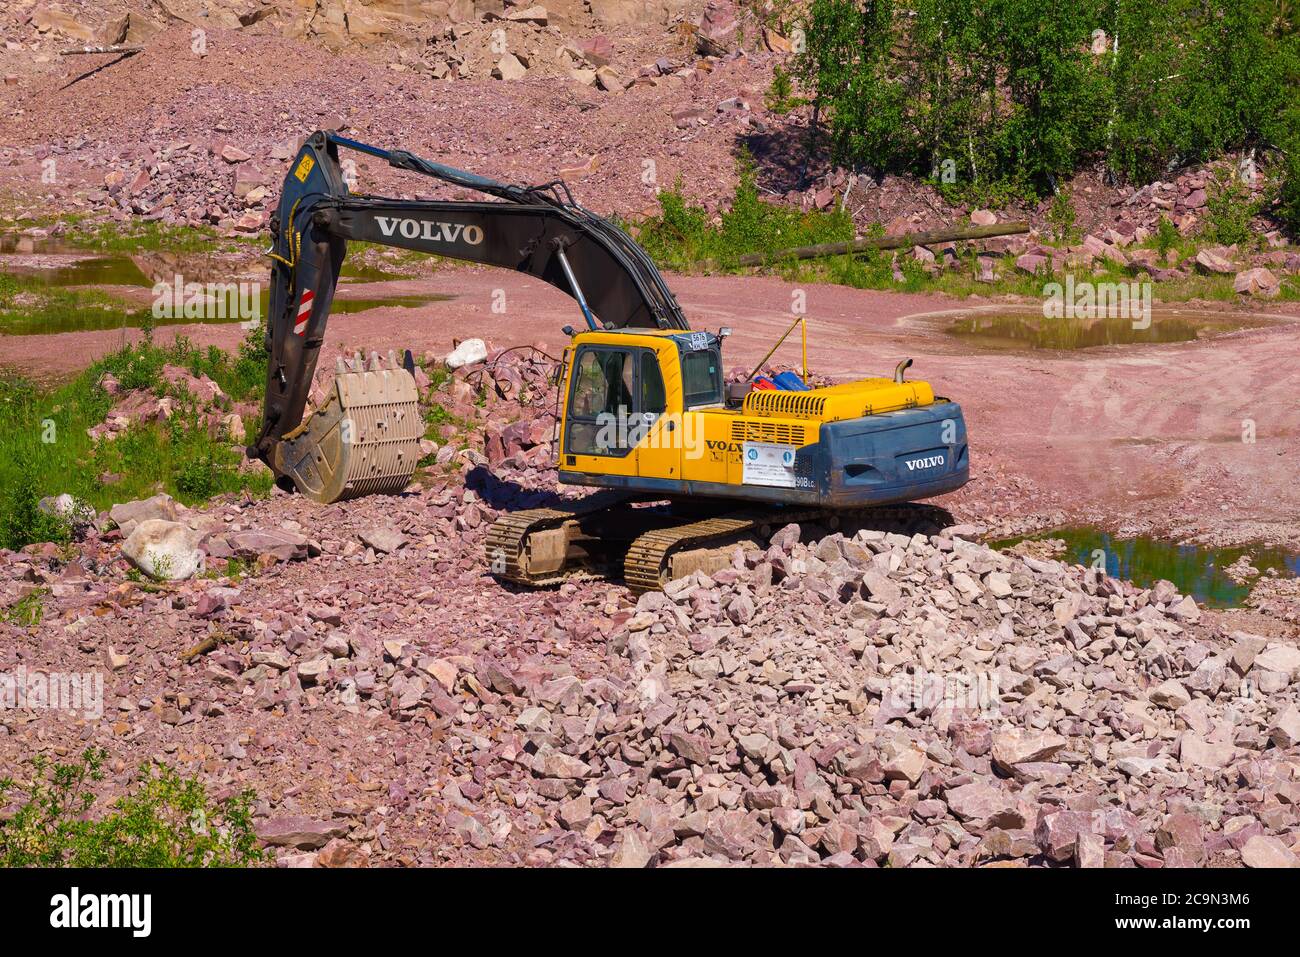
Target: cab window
{"points": [[603, 399], [701, 378], [653, 396]]}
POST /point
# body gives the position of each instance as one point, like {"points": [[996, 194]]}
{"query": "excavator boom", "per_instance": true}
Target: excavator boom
{"points": [[537, 230]]}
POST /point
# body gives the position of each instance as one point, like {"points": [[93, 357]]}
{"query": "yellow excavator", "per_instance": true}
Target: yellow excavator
{"points": [[689, 464]]}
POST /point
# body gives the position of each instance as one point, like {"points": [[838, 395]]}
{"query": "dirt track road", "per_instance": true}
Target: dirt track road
{"points": [[1136, 437]]}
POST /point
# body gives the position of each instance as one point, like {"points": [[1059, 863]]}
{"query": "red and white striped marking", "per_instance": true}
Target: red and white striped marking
{"points": [[304, 313]]}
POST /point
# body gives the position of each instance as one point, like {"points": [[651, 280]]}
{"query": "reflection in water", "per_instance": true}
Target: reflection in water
{"points": [[1030, 330]]}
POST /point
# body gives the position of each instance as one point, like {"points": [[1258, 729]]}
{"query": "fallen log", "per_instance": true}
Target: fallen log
{"points": [[82, 51], [883, 242], [210, 643]]}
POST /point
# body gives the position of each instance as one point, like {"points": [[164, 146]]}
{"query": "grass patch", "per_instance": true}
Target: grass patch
{"points": [[236, 569], [164, 820], [44, 448], [683, 237], [140, 236], [375, 262], [27, 611]]}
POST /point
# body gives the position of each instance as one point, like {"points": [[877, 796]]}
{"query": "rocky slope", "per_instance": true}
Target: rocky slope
{"points": [[620, 97]]}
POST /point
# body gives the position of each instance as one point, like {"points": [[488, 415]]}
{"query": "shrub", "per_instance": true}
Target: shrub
{"points": [[1229, 210], [780, 98], [1061, 218], [682, 235], [1289, 192], [1166, 235], [21, 520], [27, 611], [1011, 92], [163, 821]]}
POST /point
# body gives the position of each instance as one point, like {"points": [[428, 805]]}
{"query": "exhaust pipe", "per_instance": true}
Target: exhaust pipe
{"points": [[900, 369]]}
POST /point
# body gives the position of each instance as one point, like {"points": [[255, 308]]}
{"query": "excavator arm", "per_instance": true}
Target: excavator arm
{"points": [[362, 441]]}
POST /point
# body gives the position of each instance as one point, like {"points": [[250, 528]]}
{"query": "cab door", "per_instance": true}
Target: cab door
{"points": [[659, 451], [615, 422], [601, 403]]}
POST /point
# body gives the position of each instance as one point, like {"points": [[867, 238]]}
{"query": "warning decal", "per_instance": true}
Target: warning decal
{"points": [[766, 463]]}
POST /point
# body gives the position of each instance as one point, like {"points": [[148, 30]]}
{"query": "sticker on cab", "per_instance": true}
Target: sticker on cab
{"points": [[304, 167]]}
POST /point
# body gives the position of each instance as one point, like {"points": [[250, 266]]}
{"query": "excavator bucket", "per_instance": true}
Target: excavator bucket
{"points": [[365, 439]]}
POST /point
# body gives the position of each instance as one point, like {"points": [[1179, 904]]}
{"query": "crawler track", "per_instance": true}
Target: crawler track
{"points": [[654, 538], [506, 548]]}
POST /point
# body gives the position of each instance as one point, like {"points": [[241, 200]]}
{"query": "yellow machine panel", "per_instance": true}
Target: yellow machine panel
{"points": [[724, 433], [851, 400], [657, 452]]}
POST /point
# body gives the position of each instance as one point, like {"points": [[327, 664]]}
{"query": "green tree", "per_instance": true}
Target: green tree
{"points": [[1013, 93]]}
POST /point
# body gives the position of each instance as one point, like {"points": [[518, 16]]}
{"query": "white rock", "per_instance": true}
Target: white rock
{"points": [[167, 551], [128, 514], [1018, 746], [1171, 694], [1285, 731], [467, 353], [1263, 850], [509, 67], [1195, 752]]}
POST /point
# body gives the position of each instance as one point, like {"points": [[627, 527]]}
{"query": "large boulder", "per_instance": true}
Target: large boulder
{"points": [[509, 67], [251, 544], [632, 13], [47, 19], [1256, 282], [1214, 261], [167, 551], [1281, 658]]}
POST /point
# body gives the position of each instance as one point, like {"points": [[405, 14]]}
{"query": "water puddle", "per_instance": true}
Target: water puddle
{"points": [[1215, 577], [52, 287], [98, 271], [24, 245], [1021, 329], [361, 272]]}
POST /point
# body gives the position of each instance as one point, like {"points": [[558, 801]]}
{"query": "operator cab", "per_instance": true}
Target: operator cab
{"points": [[621, 383]]}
